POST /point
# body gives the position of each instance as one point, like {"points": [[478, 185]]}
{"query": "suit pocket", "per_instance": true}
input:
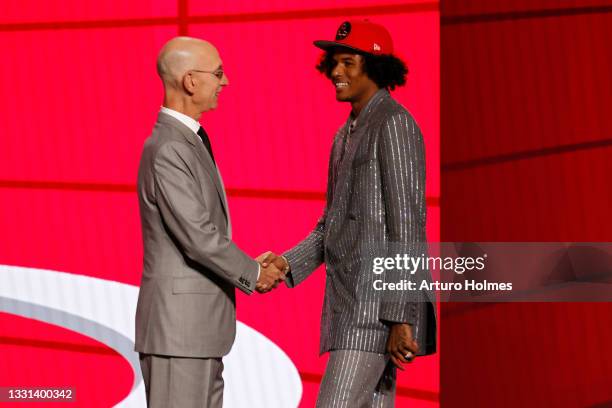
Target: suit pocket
{"points": [[193, 285]]}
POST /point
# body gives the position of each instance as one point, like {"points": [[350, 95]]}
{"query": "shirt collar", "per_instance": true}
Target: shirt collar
{"points": [[365, 112], [184, 119]]}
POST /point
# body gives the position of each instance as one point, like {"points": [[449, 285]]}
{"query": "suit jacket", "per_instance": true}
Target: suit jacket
{"points": [[375, 195], [186, 304]]}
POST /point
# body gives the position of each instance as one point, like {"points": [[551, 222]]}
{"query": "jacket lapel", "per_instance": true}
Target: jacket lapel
{"points": [[202, 153], [225, 206], [338, 148], [344, 162]]}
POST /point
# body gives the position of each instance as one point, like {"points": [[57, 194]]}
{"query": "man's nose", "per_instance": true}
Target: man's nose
{"points": [[225, 80], [337, 72]]}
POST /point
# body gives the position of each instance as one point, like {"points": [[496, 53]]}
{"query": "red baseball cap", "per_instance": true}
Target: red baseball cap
{"points": [[361, 35]]}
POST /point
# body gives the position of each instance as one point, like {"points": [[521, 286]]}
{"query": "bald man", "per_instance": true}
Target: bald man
{"points": [[186, 316]]}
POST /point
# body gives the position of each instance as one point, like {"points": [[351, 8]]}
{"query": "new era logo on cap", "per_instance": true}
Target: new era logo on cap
{"points": [[360, 35]]}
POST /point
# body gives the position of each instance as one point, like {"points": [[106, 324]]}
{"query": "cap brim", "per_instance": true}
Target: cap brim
{"points": [[326, 45]]}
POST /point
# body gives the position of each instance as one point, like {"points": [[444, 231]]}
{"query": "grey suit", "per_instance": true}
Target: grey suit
{"points": [[375, 194], [186, 304]]}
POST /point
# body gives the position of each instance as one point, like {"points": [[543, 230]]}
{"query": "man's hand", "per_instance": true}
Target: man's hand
{"points": [[270, 257], [401, 346], [270, 274]]}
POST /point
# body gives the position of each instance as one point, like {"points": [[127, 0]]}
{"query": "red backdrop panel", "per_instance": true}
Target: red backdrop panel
{"points": [[525, 98], [283, 6], [32, 11], [82, 102], [472, 7], [528, 355], [547, 87], [538, 195]]}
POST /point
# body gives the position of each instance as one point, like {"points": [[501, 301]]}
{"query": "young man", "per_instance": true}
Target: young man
{"points": [[375, 195]]}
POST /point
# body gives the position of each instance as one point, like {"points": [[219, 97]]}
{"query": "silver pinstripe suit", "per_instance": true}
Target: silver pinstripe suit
{"points": [[375, 194]]}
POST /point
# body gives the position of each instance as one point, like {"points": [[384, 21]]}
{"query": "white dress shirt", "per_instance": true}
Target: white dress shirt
{"points": [[191, 123]]}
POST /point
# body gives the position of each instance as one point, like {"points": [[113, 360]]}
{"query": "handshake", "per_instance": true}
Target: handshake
{"points": [[273, 270]]}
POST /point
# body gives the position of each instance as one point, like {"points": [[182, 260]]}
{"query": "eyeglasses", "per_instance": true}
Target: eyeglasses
{"points": [[218, 72]]}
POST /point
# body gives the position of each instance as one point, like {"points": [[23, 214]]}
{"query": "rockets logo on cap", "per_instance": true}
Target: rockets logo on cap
{"points": [[343, 31]]}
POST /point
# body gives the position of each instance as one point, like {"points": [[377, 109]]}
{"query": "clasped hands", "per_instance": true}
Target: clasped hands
{"points": [[273, 270]]}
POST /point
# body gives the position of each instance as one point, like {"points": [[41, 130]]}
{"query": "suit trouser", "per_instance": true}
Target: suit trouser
{"points": [[357, 379], [176, 382]]}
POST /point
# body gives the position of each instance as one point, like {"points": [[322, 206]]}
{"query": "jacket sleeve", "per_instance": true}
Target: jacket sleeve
{"points": [[306, 256], [402, 166], [184, 212], [309, 254]]}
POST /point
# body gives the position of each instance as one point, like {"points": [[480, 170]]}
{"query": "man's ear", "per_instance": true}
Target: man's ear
{"points": [[189, 83]]}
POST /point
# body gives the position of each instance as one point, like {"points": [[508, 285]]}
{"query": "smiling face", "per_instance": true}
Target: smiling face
{"points": [[210, 83], [192, 72], [351, 81]]}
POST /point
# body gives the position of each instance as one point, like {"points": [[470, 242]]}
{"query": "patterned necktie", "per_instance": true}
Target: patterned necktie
{"points": [[206, 141]]}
